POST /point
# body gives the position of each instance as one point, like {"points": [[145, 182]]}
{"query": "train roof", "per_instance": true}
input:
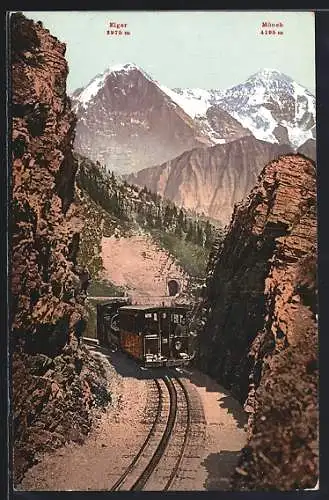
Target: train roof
{"points": [[152, 308], [112, 300]]}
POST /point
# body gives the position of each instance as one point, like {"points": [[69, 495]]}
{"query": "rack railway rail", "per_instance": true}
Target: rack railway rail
{"points": [[159, 460]]}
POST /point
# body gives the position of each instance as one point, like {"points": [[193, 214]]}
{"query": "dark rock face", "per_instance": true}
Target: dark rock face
{"points": [[44, 283], [53, 400], [308, 149], [211, 180], [281, 134], [43, 173], [260, 337], [224, 126]]}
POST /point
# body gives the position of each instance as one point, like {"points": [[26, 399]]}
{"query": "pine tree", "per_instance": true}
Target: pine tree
{"points": [[178, 230], [189, 235], [167, 216], [195, 232], [185, 224], [208, 235], [200, 235], [180, 219]]}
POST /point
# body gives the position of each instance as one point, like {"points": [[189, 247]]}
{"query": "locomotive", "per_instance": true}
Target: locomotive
{"points": [[153, 335]]}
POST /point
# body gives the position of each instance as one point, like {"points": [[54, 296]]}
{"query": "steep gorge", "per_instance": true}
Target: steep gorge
{"points": [[54, 385], [260, 334]]}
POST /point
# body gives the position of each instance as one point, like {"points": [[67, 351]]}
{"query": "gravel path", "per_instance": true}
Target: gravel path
{"points": [[121, 430], [116, 436], [225, 434]]}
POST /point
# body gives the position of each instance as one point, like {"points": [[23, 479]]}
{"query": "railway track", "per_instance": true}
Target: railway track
{"points": [[158, 461]]}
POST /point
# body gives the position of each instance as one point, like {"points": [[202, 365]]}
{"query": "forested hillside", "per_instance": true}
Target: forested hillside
{"points": [[114, 206]]}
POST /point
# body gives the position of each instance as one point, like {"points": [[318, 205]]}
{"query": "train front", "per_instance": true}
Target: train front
{"points": [[171, 345]]}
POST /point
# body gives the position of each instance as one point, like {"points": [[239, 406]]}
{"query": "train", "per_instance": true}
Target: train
{"points": [[152, 335]]}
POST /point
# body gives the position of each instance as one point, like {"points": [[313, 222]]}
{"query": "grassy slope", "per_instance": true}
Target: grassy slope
{"points": [[191, 257]]}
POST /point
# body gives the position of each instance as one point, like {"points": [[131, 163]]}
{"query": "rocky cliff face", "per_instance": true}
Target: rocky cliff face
{"points": [[51, 394], [260, 336], [224, 126], [210, 180], [308, 149]]}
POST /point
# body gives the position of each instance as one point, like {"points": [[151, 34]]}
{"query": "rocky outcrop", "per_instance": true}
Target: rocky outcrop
{"points": [[308, 149], [54, 402], [46, 298], [260, 334], [43, 174], [224, 126], [210, 180]]}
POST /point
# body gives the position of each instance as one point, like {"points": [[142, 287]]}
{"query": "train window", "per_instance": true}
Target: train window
{"points": [[151, 324], [178, 318], [164, 315], [148, 315], [174, 318], [139, 323], [128, 323]]}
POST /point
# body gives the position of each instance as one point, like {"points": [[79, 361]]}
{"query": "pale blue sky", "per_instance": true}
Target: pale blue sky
{"points": [[214, 49]]}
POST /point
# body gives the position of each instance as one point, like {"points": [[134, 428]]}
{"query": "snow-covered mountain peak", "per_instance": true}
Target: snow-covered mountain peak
{"points": [[123, 67], [193, 101], [84, 96], [127, 68], [269, 74], [274, 81], [273, 106], [269, 104], [271, 80]]}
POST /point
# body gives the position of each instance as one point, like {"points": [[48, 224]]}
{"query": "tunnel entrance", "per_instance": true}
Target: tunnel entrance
{"points": [[173, 287]]}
